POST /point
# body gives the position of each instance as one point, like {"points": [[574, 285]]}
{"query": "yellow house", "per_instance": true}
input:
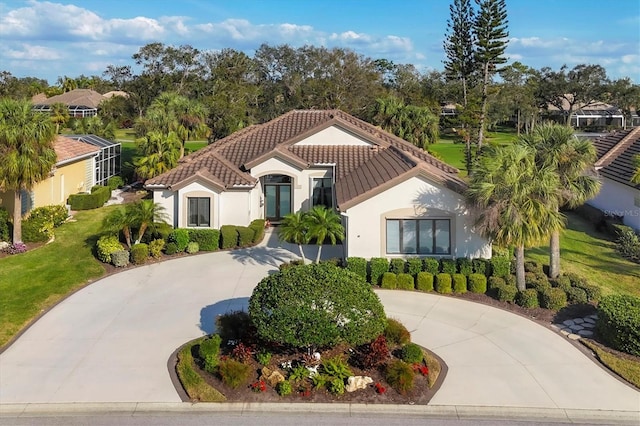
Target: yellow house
{"points": [[74, 172]]}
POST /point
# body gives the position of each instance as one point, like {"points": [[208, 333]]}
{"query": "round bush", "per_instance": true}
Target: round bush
{"points": [[411, 353], [120, 258], [180, 237], [405, 282], [139, 253], [506, 293], [377, 267], [193, 247], [424, 281], [562, 282], [106, 245], [477, 283], [171, 248], [443, 283], [389, 281], [396, 333], [459, 283], [155, 248], [576, 295], [553, 298], [397, 266], [400, 376], [594, 293], [494, 282], [618, 323], [527, 298], [316, 305], [414, 266]]}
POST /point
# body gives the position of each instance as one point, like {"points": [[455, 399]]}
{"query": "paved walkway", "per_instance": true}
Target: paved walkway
{"points": [[110, 342]]}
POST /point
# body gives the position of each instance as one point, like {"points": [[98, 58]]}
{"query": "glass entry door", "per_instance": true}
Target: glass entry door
{"points": [[277, 196]]}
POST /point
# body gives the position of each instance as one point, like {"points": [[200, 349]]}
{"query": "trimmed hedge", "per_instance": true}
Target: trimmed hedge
{"points": [[464, 266], [477, 283], [4, 225], [480, 266], [527, 298], [228, 237], [500, 266], [495, 282], [180, 237], [459, 283], [115, 182], [576, 295], [98, 196], [431, 265], [618, 323], [357, 265], [37, 229], [414, 266], [443, 283], [447, 266], [139, 253], [389, 281], [562, 282], [405, 281], [171, 248], [553, 298], [397, 266], [192, 247], [377, 267], [594, 293], [258, 230], [245, 236], [424, 281], [506, 293], [207, 239]]}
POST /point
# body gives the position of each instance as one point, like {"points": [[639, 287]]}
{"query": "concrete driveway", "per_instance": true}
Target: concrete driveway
{"points": [[110, 342]]}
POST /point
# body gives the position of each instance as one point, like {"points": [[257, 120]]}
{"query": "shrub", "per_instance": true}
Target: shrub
{"points": [[245, 236], [506, 293], [98, 196], [553, 298], [209, 351], [284, 307], [192, 247], [207, 239], [375, 353], [389, 281], [443, 283], [414, 265], [527, 298], [510, 280], [180, 237], [336, 367], [459, 283], [336, 386], [357, 265], [242, 353], [115, 182], [105, 246], [396, 333], [424, 281], [411, 353], [37, 229], [576, 295], [284, 388], [397, 266], [431, 265], [618, 323], [160, 231], [478, 283], [400, 376], [562, 282], [155, 248], [56, 214], [448, 266], [500, 265], [228, 237], [627, 242], [263, 357], [234, 325], [480, 266], [531, 266], [120, 258], [258, 230], [4, 225], [171, 248], [464, 266], [405, 282], [378, 266], [17, 248], [233, 373], [594, 293], [540, 283], [139, 253]]}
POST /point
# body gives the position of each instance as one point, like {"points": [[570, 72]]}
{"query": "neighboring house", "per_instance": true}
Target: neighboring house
{"points": [[73, 173], [108, 162], [594, 115], [618, 196], [394, 198], [81, 102]]}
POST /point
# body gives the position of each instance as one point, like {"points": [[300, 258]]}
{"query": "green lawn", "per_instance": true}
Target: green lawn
{"points": [[34, 281], [592, 255]]}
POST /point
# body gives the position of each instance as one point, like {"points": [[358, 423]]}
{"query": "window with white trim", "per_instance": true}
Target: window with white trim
{"points": [[419, 236], [199, 211], [322, 192]]}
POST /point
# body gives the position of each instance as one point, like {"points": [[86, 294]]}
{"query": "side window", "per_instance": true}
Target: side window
{"points": [[322, 192], [418, 236], [199, 211]]}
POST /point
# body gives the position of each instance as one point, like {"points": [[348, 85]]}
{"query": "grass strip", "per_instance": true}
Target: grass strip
{"points": [[195, 386], [624, 366]]}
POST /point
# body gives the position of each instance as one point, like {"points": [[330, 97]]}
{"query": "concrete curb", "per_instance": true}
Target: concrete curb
{"points": [[552, 415]]}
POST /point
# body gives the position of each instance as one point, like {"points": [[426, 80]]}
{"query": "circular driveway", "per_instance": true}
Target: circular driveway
{"points": [[110, 342]]}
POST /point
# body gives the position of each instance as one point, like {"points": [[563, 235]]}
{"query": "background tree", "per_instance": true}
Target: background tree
{"points": [[418, 125], [59, 115], [516, 199], [490, 31], [516, 94], [26, 152], [572, 159], [635, 178], [157, 153], [459, 44]]}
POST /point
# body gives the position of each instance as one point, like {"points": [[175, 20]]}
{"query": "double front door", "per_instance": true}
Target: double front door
{"points": [[277, 197]]}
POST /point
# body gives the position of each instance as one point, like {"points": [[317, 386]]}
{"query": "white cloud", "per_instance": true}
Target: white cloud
{"points": [[31, 52], [631, 59]]}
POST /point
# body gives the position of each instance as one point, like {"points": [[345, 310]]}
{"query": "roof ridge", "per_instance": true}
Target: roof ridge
{"points": [[618, 148]]}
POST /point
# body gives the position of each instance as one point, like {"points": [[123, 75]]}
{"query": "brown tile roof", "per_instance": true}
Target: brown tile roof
{"points": [[360, 170], [68, 149], [616, 152], [78, 97]]}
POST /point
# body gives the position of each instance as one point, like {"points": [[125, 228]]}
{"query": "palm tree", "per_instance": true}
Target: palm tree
{"points": [[323, 223], [516, 199], [146, 214], [636, 173], [158, 154], [27, 155], [293, 229], [59, 114], [572, 159], [119, 220]]}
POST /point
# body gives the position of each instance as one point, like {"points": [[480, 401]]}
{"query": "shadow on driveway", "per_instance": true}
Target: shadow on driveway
{"points": [[208, 314]]}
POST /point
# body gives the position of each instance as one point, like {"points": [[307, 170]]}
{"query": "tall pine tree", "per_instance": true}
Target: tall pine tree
{"points": [[459, 44], [490, 30]]}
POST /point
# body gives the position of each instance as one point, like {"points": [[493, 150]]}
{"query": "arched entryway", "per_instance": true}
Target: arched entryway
{"points": [[277, 196]]}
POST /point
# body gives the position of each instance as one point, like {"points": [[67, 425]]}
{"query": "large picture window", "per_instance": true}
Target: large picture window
{"points": [[322, 192], [199, 211], [419, 236]]}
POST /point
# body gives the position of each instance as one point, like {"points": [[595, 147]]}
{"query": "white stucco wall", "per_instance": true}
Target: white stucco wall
{"points": [[413, 198], [166, 198], [334, 135], [620, 200], [234, 208]]}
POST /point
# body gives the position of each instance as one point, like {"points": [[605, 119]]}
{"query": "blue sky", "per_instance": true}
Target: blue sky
{"points": [[48, 39]]}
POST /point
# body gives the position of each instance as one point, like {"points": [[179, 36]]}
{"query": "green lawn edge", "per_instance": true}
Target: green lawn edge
{"points": [[194, 385], [624, 367]]}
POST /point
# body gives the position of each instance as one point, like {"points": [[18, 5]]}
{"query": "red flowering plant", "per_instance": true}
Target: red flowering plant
{"points": [[421, 368], [259, 386], [379, 388]]}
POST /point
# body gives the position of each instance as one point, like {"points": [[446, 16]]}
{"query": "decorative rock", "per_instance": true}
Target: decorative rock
{"points": [[566, 331], [271, 377], [585, 333], [4, 245], [357, 382], [589, 320], [576, 327], [594, 316], [556, 327], [568, 322], [574, 336], [578, 320], [588, 325]]}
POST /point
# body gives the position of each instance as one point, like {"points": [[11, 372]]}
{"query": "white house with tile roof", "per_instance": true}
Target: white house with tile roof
{"points": [[395, 199]]}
